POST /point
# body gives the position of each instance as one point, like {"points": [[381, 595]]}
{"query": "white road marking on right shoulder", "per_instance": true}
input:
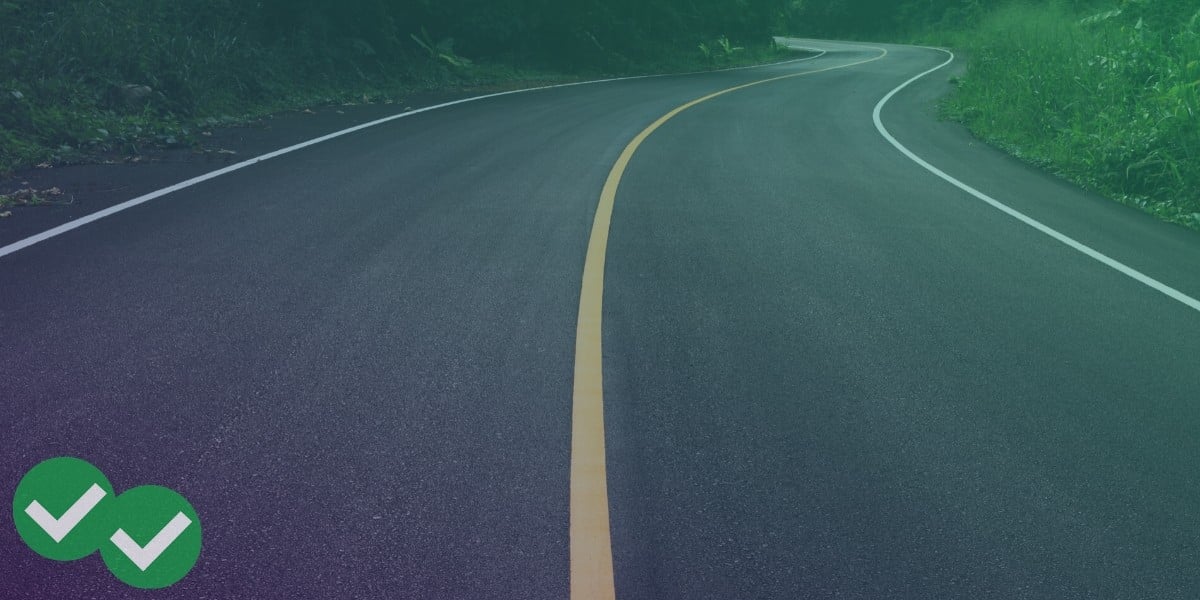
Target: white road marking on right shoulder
{"points": [[1116, 265]]}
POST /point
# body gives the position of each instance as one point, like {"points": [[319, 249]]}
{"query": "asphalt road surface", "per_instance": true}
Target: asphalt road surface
{"points": [[828, 372]]}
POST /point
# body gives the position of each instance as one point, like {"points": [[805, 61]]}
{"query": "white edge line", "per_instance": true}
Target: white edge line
{"points": [[1099, 257], [116, 208]]}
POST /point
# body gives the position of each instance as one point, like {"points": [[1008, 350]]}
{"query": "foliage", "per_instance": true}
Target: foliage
{"points": [[1104, 92], [894, 20], [79, 75], [1109, 99], [443, 50]]}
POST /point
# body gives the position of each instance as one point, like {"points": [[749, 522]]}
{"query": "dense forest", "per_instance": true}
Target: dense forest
{"points": [[199, 55], [1103, 91], [186, 50], [119, 74]]}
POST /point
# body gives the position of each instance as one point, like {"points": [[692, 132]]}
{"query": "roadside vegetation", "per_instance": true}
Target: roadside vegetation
{"points": [[80, 78], [1105, 93], [1108, 99]]}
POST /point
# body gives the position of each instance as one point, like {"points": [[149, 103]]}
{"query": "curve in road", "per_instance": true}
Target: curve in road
{"points": [[825, 374]]}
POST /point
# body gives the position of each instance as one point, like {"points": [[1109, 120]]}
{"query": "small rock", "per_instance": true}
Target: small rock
{"points": [[133, 92]]}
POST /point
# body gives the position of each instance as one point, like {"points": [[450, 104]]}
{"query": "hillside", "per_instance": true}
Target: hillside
{"points": [[84, 76]]}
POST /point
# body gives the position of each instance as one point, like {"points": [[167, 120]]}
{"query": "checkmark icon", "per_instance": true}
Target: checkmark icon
{"points": [[61, 508], [65, 509], [169, 551], [144, 556], [58, 528]]}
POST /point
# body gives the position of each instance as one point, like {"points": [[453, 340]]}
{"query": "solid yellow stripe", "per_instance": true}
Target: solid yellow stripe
{"points": [[591, 543]]}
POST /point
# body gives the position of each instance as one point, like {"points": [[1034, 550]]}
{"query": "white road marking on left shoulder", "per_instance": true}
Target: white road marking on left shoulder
{"points": [[96, 216]]}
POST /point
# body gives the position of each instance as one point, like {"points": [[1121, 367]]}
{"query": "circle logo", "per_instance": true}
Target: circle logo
{"points": [[65, 509], [157, 540], [61, 508]]}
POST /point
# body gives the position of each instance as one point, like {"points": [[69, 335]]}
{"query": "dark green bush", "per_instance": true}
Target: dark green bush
{"points": [[1106, 99], [79, 74]]}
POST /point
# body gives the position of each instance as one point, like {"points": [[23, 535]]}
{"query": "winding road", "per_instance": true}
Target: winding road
{"points": [[794, 361]]}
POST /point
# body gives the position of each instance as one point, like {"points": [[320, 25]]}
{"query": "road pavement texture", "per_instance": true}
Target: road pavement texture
{"points": [[828, 372]]}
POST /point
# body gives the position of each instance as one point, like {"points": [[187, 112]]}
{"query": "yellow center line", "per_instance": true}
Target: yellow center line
{"points": [[591, 543]]}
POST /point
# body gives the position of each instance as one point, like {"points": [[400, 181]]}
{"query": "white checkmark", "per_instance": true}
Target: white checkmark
{"points": [[145, 556], [58, 528]]}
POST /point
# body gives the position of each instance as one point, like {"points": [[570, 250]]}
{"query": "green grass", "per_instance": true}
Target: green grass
{"points": [[70, 131], [1111, 102], [67, 68], [33, 197], [81, 79]]}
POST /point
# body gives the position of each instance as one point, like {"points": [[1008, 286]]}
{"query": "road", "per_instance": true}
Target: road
{"points": [[827, 372]]}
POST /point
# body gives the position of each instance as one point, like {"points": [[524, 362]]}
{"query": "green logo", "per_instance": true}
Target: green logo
{"points": [[158, 540], [65, 509], [61, 506]]}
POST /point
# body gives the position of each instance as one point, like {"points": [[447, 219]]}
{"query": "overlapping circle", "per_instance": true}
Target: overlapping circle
{"points": [[66, 509]]}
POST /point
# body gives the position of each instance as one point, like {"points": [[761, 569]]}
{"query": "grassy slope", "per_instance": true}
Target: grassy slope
{"points": [[1110, 102], [91, 77]]}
